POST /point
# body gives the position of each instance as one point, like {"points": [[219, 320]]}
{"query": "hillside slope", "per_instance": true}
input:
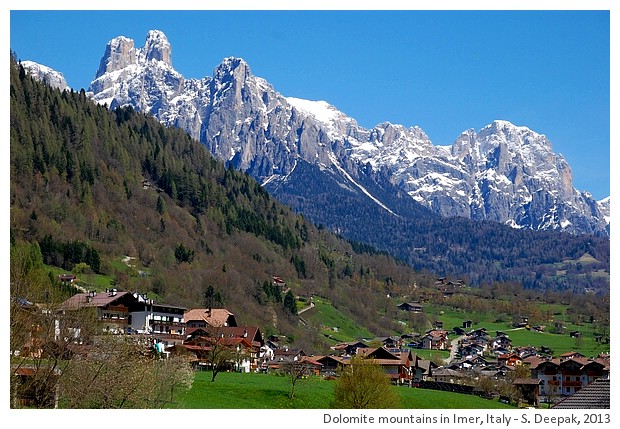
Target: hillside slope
{"points": [[119, 183]]}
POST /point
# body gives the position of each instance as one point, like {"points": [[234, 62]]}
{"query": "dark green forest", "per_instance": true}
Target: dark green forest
{"points": [[481, 253]]}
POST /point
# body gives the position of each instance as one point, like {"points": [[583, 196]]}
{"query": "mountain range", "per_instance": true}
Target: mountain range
{"points": [[371, 185], [85, 192], [503, 173]]}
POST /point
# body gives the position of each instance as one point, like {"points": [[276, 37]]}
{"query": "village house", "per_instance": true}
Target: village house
{"points": [[348, 348], [281, 357], [414, 307], [509, 359], [163, 322], [331, 364], [530, 389], [311, 365], [203, 317], [127, 313], [239, 353], [254, 355], [67, 278], [525, 351], [450, 375], [565, 376], [470, 348], [32, 319], [457, 330], [397, 365], [501, 341], [421, 369], [435, 339], [278, 281], [469, 363], [596, 395]]}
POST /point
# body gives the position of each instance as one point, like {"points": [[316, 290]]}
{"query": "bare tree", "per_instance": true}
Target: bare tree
{"points": [[219, 354], [120, 371], [295, 370]]}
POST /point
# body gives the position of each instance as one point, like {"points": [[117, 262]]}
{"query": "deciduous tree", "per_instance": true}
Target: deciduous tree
{"points": [[363, 384]]}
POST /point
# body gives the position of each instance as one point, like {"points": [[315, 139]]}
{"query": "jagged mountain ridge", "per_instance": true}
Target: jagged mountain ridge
{"points": [[503, 172]]}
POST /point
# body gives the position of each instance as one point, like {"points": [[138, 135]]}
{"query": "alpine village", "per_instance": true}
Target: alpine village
{"points": [[147, 273]]}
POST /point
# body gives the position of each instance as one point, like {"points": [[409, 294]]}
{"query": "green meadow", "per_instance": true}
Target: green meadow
{"points": [[335, 325], [270, 391]]}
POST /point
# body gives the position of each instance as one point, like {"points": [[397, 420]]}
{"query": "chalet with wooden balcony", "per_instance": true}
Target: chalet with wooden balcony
{"points": [[127, 313], [563, 377], [112, 309]]}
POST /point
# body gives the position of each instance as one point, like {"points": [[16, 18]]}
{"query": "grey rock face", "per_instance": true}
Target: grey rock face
{"points": [[45, 74], [119, 53], [503, 172]]}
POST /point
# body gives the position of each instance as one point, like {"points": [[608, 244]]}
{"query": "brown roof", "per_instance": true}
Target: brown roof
{"points": [[208, 342], [335, 358], [311, 361], [250, 333], [386, 362], [214, 317], [572, 353], [82, 300], [533, 361]]}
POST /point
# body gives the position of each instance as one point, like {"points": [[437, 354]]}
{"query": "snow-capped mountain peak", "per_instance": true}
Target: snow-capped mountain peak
{"points": [[503, 172], [157, 48], [45, 74]]}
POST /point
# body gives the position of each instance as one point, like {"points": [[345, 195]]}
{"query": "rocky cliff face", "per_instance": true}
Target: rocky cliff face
{"points": [[46, 74], [503, 172]]}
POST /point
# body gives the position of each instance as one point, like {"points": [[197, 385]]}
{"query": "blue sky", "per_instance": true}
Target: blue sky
{"points": [[444, 71]]}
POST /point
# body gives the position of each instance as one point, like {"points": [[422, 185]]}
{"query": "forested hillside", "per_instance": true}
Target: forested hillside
{"points": [[482, 252], [90, 186]]}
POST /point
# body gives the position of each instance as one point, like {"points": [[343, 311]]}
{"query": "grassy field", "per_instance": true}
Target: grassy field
{"points": [[101, 282], [330, 318], [268, 391], [96, 282]]}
